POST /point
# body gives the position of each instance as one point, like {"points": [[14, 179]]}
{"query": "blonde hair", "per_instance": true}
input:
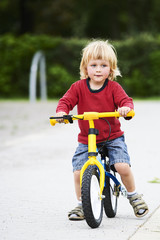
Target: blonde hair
{"points": [[103, 50]]}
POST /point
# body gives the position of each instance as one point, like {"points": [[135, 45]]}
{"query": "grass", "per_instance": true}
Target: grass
{"points": [[56, 99], [147, 99], [155, 180], [25, 99]]}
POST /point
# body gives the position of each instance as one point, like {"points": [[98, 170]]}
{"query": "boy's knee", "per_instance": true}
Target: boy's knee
{"points": [[122, 168]]}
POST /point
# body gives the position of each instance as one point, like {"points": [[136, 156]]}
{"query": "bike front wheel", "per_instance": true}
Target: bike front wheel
{"points": [[91, 202]]}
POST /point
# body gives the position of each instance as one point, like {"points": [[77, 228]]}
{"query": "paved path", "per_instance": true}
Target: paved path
{"points": [[36, 182]]}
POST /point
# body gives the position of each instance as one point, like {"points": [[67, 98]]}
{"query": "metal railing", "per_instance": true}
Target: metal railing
{"points": [[38, 60]]}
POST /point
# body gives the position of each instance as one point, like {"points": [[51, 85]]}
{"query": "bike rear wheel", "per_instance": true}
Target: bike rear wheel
{"points": [[91, 202], [111, 197]]}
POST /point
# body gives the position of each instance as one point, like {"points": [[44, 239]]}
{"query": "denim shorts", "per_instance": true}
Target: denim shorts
{"points": [[117, 153]]}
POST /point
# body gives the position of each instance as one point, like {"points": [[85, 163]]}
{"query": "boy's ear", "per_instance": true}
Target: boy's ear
{"points": [[86, 73]]}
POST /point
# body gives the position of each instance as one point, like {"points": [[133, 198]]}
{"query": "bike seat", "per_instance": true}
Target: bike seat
{"points": [[103, 151]]}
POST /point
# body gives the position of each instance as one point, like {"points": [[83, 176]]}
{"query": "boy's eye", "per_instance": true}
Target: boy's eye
{"points": [[104, 65], [93, 65]]}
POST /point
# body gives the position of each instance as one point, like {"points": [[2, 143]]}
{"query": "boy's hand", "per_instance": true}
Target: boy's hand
{"points": [[123, 111], [60, 114]]}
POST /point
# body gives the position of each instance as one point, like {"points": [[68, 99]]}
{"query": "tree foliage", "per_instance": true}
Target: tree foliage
{"points": [[61, 28], [138, 59], [99, 18]]}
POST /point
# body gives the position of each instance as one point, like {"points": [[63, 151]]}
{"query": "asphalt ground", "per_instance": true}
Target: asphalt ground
{"points": [[36, 180]]}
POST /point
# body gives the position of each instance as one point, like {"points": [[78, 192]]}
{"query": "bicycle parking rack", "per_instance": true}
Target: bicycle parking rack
{"points": [[38, 60]]}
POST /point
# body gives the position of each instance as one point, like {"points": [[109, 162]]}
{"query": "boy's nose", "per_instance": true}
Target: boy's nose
{"points": [[98, 68]]}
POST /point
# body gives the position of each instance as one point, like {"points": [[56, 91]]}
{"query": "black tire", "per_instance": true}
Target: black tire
{"points": [[111, 197], [92, 205]]}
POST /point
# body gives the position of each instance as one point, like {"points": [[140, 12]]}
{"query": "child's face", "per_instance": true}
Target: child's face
{"points": [[98, 70]]}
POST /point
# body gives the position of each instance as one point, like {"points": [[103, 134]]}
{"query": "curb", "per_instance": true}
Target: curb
{"points": [[150, 230]]}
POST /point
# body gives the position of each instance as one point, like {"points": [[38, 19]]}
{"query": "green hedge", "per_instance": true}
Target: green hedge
{"points": [[138, 59]]}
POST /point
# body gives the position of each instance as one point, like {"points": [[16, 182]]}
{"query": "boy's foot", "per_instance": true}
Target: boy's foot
{"points": [[139, 206], [76, 214]]}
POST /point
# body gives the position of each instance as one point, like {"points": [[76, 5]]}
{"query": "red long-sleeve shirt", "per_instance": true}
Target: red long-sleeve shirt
{"points": [[107, 99]]}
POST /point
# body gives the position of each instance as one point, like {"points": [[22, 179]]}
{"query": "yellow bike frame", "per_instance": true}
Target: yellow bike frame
{"points": [[92, 147]]}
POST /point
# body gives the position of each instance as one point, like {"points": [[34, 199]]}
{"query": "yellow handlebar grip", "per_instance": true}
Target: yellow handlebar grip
{"points": [[131, 113], [52, 122]]}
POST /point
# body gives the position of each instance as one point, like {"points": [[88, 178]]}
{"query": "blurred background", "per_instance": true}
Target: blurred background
{"points": [[61, 28], [31, 151]]}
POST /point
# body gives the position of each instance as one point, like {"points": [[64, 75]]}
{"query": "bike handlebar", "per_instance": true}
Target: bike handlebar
{"points": [[89, 116]]}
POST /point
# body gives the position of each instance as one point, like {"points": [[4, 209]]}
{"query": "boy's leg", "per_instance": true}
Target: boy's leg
{"points": [[77, 212], [118, 156], [78, 160], [139, 206], [77, 184], [125, 172]]}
